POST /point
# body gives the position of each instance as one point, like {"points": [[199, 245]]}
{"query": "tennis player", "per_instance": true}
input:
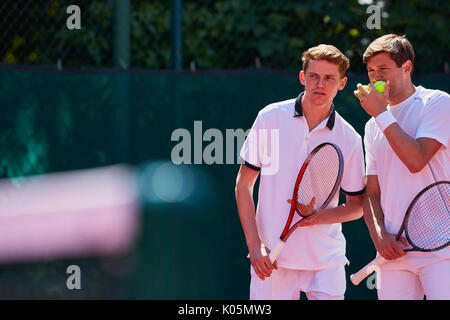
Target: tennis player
{"points": [[282, 136], [406, 141]]}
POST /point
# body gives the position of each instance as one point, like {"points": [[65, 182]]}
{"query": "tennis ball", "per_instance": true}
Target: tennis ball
{"points": [[379, 86], [366, 87]]}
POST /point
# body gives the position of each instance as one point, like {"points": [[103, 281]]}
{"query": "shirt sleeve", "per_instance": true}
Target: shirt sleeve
{"points": [[433, 122], [371, 165], [252, 147], [353, 178]]}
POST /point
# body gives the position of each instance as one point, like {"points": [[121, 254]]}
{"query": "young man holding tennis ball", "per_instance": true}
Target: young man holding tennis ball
{"points": [[407, 148], [313, 259]]}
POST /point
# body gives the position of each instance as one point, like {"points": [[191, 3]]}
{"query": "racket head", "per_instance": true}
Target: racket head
{"points": [[321, 175], [311, 169], [427, 220]]}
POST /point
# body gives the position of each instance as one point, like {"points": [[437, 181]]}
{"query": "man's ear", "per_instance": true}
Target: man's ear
{"points": [[342, 83], [301, 77], [407, 66]]}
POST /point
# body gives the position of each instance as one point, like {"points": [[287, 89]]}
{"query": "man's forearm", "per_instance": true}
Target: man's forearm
{"points": [[373, 216], [407, 149], [351, 210], [246, 210]]}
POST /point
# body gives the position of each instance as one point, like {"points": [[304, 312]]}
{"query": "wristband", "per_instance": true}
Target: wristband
{"points": [[385, 119]]}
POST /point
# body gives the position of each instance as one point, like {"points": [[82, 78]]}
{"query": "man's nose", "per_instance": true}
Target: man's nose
{"points": [[321, 83]]}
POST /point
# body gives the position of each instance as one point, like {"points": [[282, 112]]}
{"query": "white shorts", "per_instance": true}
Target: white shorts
{"points": [[415, 275], [286, 284]]}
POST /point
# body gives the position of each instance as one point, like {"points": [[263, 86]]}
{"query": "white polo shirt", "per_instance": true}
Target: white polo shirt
{"points": [[277, 145], [426, 113]]}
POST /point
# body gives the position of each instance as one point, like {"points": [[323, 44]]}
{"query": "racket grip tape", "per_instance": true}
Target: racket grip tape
{"points": [[359, 276], [276, 250]]}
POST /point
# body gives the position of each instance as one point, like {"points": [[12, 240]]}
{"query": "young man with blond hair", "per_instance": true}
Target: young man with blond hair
{"points": [[407, 148], [313, 258]]}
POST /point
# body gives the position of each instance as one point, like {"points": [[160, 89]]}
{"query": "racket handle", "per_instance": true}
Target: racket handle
{"points": [[359, 276], [276, 250]]}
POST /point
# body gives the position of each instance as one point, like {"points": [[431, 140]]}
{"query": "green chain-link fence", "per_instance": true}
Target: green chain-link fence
{"points": [[218, 34]]}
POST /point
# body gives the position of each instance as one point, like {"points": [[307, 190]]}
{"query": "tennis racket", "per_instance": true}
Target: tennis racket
{"points": [[426, 225], [317, 182]]}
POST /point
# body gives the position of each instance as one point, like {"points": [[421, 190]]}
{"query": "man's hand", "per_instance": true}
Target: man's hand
{"points": [[259, 258], [389, 247], [305, 210], [373, 102]]}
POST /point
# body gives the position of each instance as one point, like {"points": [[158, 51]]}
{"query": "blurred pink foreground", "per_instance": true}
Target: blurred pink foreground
{"points": [[86, 212]]}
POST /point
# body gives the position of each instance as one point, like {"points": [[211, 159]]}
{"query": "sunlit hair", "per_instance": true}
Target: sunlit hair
{"points": [[399, 48], [329, 53]]}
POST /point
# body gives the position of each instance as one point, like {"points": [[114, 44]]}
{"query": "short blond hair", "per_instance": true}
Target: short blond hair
{"points": [[398, 47], [329, 53]]}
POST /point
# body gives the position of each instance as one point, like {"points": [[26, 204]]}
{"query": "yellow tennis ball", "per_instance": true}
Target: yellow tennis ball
{"points": [[379, 86], [366, 87]]}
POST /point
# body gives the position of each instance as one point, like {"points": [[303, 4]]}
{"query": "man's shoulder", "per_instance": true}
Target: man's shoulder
{"points": [[346, 127], [370, 125], [430, 96], [277, 108]]}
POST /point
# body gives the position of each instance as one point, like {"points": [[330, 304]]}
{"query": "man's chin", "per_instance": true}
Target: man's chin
{"points": [[319, 99]]}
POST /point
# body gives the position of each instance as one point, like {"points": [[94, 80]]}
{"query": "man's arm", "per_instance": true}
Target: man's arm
{"points": [[348, 211], [414, 153], [245, 182], [385, 243]]}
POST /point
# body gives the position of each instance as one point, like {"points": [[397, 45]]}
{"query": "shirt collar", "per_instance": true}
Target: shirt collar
{"points": [[298, 112]]}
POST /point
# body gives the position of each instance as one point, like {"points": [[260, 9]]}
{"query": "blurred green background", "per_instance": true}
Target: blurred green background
{"points": [[115, 90]]}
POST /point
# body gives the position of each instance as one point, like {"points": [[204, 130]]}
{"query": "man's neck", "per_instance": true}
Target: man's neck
{"points": [[403, 95], [314, 113]]}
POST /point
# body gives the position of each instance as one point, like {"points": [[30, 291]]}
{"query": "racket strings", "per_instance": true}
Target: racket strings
{"points": [[428, 225], [319, 177]]}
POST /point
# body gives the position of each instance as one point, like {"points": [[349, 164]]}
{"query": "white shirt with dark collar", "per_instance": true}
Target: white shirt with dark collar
{"points": [[277, 145], [425, 114]]}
